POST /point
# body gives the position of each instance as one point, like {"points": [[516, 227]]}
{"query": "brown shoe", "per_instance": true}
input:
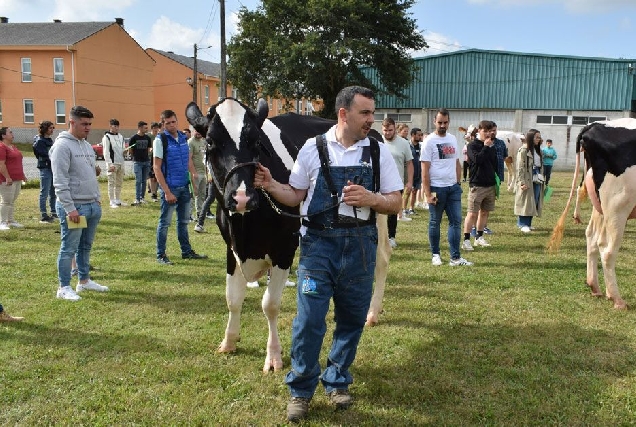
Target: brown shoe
{"points": [[341, 398], [297, 409], [4, 317]]}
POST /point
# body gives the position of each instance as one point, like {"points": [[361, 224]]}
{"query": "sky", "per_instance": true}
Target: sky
{"points": [[590, 28]]}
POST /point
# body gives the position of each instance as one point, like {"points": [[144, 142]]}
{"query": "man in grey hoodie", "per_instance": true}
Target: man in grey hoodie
{"points": [[78, 202]]}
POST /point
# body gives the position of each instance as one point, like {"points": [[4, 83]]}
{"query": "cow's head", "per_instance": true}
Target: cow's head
{"points": [[233, 134], [470, 133]]}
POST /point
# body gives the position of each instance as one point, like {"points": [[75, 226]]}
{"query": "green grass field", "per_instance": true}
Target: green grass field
{"points": [[514, 340]]}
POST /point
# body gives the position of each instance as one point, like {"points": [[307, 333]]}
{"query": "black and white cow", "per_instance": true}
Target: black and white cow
{"points": [[609, 148], [258, 238]]}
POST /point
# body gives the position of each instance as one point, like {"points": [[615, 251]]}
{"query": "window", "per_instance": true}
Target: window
{"points": [[552, 120], [58, 70], [399, 117], [579, 120], [596, 119], [26, 70], [60, 112], [378, 117], [29, 117], [206, 95]]}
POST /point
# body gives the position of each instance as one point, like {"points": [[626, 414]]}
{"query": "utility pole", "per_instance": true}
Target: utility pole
{"points": [[195, 76], [223, 84]]}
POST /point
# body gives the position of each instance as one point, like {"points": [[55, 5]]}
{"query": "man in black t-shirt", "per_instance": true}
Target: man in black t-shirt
{"points": [[140, 145]]}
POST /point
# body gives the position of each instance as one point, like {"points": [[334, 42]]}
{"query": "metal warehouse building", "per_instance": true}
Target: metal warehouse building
{"points": [[557, 95]]}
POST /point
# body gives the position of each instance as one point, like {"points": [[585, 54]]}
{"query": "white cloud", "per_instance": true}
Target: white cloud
{"points": [[173, 37], [438, 43]]}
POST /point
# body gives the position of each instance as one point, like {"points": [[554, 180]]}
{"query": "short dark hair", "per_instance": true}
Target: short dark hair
{"points": [[344, 99], [114, 122], [167, 113], [443, 111], [141, 123], [548, 140], [415, 130], [3, 131], [44, 126], [79, 112], [486, 125], [154, 125], [187, 130]]}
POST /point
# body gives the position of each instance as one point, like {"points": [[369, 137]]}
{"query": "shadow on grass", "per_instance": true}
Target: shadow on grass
{"points": [[497, 375]]}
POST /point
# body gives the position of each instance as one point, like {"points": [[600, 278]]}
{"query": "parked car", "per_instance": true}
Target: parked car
{"points": [[99, 150]]}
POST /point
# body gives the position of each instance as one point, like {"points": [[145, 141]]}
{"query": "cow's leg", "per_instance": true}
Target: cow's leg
{"points": [[609, 243], [235, 289], [510, 168], [271, 307], [383, 255], [592, 235]]}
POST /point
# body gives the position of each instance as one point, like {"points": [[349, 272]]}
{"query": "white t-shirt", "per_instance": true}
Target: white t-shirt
{"points": [[443, 154], [400, 149], [305, 171]]}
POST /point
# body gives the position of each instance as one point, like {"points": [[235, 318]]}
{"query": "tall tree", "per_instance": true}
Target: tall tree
{"points": [[313, 48]]}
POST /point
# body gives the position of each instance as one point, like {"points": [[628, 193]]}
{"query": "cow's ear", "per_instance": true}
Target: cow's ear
{"points": [[197, 119], [262, 109]]}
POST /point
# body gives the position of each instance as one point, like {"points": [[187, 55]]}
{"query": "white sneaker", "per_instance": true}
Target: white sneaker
{"points": [[16, 224], [392, 242], [4, 226], [114, 205], [253, 284], [120, 203], [467, 246], [290, 284], [437, 260], [199, 228], [68, 294], [405, 212], [460, 261], [91, 286], [480, 241], [525, 229], [405, 218]]}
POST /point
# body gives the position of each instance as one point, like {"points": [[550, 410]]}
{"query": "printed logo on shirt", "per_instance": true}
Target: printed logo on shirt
{"points": [[446, 151]]}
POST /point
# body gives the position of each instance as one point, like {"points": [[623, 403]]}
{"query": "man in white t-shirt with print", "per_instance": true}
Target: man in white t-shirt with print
{"points": [[441, 176]]}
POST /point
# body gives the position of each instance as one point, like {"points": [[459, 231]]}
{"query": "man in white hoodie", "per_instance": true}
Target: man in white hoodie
{"points": [[113, 143], [78, 202]]}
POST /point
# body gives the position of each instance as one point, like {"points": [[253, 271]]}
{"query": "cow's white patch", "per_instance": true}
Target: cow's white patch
{"points": [[273, 133], [626, 123], [232, 115], [253, 269]]}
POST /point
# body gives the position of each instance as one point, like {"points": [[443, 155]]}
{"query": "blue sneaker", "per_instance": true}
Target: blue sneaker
{"points": [[488, 231]]}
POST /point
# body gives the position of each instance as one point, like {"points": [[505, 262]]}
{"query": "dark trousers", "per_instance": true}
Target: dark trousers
{"points": [[465, 170]]}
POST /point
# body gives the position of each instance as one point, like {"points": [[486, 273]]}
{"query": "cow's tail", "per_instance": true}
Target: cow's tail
{"points": [[557, 233]]}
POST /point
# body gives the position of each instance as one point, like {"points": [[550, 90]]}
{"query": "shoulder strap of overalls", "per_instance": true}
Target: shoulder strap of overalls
{"points": [[323, 154], [375, 163]]}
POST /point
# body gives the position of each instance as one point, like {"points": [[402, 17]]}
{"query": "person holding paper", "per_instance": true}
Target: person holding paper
{"points": [[78, 202]]}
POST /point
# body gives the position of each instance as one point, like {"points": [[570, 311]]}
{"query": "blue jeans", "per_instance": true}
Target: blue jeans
{"points": [[77, 242], [46, 190], [337, 264], [449, 200], [182, 207], [524, 221], [141, 169]]}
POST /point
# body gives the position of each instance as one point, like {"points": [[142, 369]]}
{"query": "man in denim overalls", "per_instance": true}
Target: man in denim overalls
{"points": [[338, 246]]}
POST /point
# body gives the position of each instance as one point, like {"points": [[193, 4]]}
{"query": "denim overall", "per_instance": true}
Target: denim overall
{"points": [[335, 262]]}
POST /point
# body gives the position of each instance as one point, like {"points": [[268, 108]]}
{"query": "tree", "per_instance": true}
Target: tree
{"points": [[311, 49]]}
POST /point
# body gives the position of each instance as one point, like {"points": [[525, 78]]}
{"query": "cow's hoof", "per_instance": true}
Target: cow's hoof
{"points": [[275, 364], [619, 305], [371, 321], [226, 348], [595, 290]]}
